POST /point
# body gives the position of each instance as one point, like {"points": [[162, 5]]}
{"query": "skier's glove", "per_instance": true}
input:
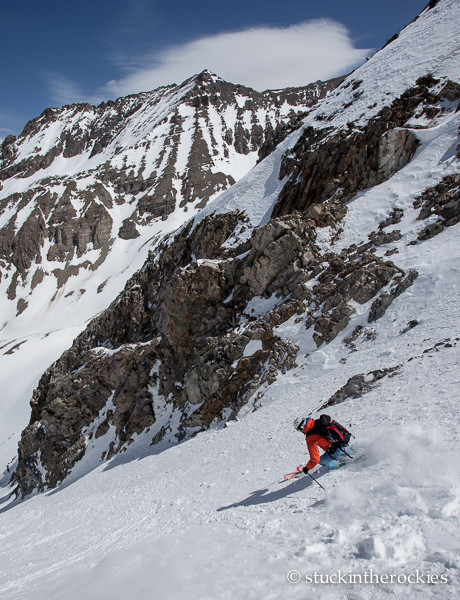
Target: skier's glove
{"points": [[305, 470]]}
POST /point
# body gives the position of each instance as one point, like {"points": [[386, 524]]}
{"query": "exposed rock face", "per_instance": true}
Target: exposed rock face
{"points": [[326, 164], [172, 342], [7, 150], [195, 335], [128, 230], [353, 275], [442, 200], [182, 349], [70, 234], [144, 157], [273, 137]]}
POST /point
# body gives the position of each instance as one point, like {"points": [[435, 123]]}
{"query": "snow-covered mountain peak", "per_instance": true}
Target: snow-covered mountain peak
{"points": [[207, 76], [325, 279], [86, 191], [86, 182]]}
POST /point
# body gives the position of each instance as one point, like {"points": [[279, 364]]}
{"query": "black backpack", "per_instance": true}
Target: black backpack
{"points": [[333, 432]]}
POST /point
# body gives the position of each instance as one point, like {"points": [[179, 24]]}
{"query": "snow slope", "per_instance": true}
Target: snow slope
{"points": [[150, 135], [418, 50], [213, 517]]}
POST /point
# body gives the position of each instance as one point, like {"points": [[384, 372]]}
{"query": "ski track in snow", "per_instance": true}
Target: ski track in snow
{"points": [[213, 518]]}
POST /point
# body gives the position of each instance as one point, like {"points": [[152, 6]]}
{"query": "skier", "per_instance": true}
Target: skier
{"points": [[316, 433]]}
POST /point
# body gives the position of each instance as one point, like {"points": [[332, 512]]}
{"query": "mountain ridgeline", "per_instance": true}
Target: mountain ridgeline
{"points": [[199, 332], [82, 182]]}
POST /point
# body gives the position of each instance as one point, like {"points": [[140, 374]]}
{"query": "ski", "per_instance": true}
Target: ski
{"points": [[295, 474], [298, 473]]}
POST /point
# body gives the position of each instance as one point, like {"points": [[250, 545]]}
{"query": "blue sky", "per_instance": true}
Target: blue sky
{"points": [[58, 52]]}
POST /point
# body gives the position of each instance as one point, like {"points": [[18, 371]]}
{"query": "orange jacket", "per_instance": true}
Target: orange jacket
{"points": [[313, 441]]}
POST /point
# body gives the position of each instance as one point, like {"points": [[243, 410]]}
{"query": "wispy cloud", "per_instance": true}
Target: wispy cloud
{"points": [[62, 90], [4, 131], [10, 123], [262, 58]]}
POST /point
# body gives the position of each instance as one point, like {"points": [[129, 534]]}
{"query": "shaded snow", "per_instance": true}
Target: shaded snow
{"points": [[213, 517]]}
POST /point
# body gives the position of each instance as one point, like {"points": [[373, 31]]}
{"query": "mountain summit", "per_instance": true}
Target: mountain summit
{"points": [[325, 279], [81, 183], [196, 334]]}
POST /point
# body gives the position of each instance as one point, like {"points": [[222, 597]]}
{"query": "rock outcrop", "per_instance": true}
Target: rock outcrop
{"points": [[145, 157], [192, 339], [326, 164], [442, 200], [197, 332], [360, 384]]}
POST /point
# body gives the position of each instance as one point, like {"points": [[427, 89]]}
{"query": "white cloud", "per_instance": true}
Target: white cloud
{"points": [[262, 58]]}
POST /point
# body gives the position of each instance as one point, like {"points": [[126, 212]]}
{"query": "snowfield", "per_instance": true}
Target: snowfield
{"points": [[213, 518]]}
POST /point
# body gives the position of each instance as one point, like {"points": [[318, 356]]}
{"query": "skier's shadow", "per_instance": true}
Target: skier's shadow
{"points": [[265, 495]]}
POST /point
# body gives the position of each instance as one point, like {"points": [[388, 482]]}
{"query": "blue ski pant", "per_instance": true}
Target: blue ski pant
{"points": [[330, 460]]}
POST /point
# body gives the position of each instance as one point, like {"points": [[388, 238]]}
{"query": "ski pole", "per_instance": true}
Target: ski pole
{"points": [[316, 481], [345, 452]]}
